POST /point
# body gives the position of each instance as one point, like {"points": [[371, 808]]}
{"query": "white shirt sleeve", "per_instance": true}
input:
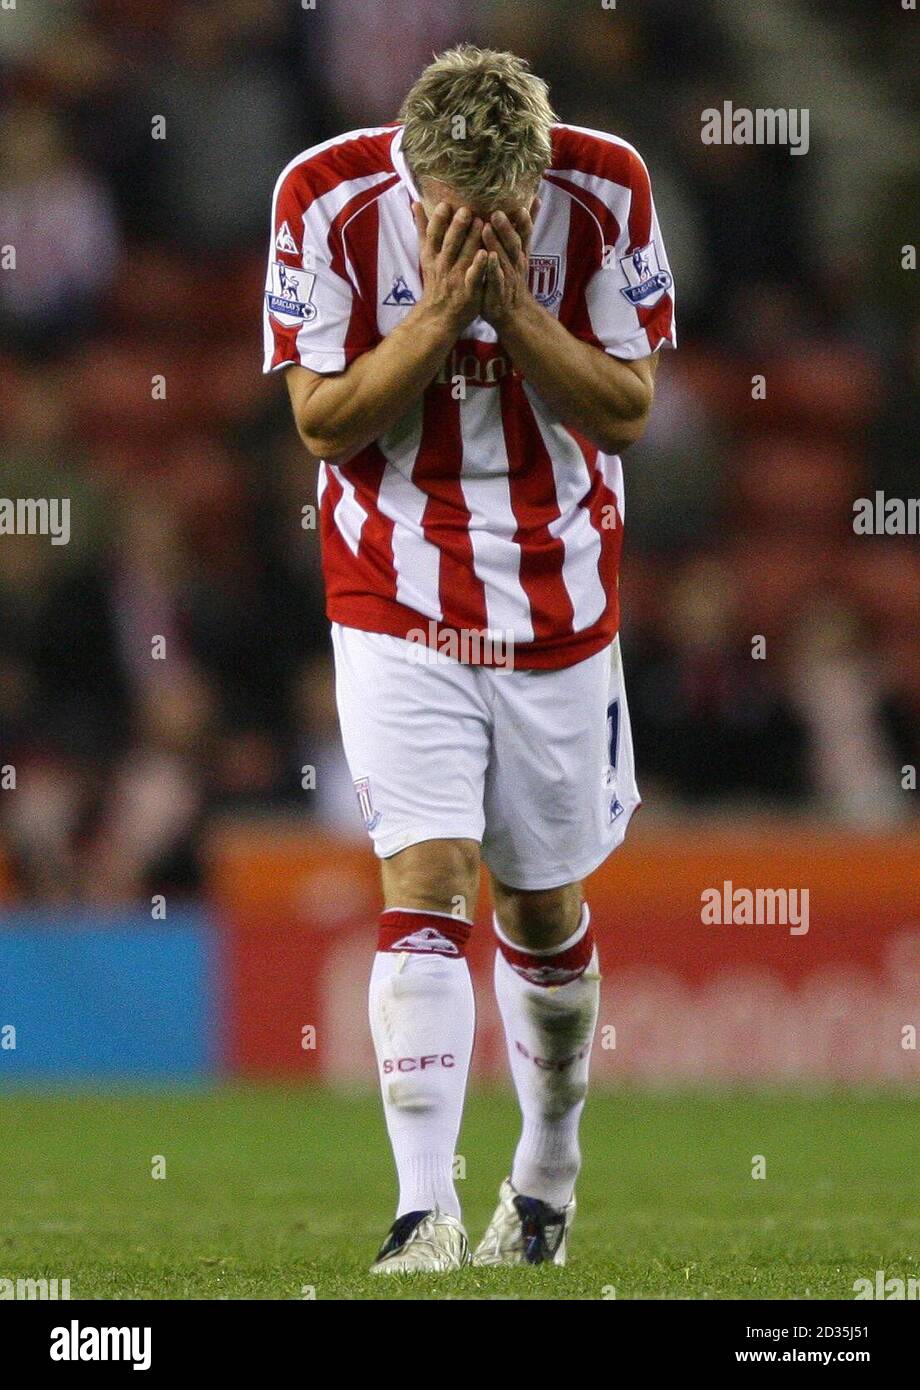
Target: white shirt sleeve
{"points": [[630, 297], [312, 314]]}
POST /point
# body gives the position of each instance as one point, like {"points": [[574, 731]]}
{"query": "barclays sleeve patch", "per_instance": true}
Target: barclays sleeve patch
{"points": [[646, 282], [290, 295]]}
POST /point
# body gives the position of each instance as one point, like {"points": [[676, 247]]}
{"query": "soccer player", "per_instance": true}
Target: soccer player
{"points": [[467, 307]]}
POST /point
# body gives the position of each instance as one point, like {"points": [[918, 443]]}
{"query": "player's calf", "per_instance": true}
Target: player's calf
{"points": [[422, 1019], [548, 996]]}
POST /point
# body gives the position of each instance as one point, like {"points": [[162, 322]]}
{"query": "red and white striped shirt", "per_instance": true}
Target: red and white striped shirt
{"points": [[478, 511]]}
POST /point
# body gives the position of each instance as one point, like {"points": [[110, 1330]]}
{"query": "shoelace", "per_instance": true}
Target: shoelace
{"points": [[401, 1230], [541, 1228]]}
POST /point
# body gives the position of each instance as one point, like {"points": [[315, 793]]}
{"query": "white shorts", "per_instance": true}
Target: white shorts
{"points": [[537, 766]]}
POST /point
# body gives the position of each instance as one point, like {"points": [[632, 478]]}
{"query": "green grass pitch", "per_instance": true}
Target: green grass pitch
{"points": [[271, 1192]]}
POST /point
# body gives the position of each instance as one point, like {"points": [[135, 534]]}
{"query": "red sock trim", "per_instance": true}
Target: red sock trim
{"points": [[423, 933], [558, 969]]}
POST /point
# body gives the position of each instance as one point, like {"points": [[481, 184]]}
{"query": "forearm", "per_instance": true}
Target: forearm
{"points": [[601, 396], [348, 411]]}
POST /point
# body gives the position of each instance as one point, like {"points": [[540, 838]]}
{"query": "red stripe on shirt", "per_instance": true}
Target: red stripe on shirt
{"points": [[446, 519], [656, 320], [372, 570], [532, 490], [285, 340], [604, 513], [584, 254], [375, 554], [605, 159], [355, 229], [352, 159]]}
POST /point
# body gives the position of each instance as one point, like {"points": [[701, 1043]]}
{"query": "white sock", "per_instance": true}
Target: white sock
{"points": [[549, 1029], [422, 1017]]}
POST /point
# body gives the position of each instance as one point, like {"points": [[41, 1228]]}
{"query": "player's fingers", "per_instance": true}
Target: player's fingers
{"points": [[508, 236], [523, 219], [490, 238], [475, 275], [437, 227], [421, 227], [494, 246], [471, 245], [455, 235], [496, 278], [493, 242], [496, 286]]}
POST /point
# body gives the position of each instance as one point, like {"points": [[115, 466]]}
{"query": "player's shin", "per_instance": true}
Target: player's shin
{"points": [[422, 1018], [549, 1003]]}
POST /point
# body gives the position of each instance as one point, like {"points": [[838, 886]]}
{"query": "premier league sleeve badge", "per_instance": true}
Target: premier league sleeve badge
{"points": [[646, 282]]}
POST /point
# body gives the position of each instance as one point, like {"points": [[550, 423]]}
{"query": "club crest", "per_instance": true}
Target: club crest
{"points": [[363, 791], [543, 276]]}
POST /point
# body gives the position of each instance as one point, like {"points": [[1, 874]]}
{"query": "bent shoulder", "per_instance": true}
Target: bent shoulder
{"points": [[597, 152], [321, 168]]}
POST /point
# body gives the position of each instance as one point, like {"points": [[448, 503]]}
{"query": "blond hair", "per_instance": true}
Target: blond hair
{"points": [[479, 121]]}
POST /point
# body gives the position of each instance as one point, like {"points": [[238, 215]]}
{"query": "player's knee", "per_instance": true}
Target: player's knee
{"points": [[537, 919], [436, 875]]}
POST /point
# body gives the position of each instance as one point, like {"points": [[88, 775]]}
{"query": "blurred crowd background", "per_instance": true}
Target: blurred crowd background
{"points": [[140, 257]]}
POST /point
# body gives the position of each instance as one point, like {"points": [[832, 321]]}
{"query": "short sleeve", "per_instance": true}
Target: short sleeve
{"points": [[312, 315], [630, 297]]}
